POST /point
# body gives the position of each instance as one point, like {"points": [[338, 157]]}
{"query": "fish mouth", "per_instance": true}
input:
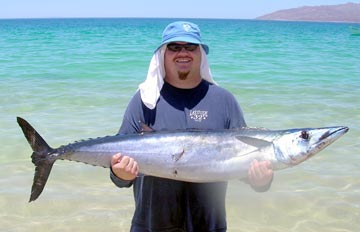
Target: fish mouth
{"points": [[334, 133]]}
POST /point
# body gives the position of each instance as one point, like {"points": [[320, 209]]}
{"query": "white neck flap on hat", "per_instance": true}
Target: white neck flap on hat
{"points": [[150, 88]]}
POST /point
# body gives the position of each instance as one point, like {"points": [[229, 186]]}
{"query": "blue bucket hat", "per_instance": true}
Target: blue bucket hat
{"points": [[181, 31]]}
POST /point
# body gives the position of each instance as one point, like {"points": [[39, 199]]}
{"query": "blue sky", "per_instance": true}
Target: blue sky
{"points": [[241, 9]]}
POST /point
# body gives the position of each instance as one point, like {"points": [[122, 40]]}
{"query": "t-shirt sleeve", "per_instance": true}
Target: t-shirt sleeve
{"points": [[227, 108], [133, 116], [235, 114]]}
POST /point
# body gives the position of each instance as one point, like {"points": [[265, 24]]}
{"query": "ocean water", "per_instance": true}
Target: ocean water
{"points": [[72, 79]]}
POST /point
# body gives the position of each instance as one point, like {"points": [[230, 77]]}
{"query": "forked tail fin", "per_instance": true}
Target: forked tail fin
{"points": [[41, 157]]}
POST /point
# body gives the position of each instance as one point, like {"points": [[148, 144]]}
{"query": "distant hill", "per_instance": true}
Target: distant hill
{"points": [[349, 12]]}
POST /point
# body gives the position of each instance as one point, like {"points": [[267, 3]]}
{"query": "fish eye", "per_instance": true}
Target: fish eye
{"points": [[305, 135]]}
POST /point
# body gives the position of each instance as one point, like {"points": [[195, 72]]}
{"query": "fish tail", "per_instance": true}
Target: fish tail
{"points": [[41, 157]]}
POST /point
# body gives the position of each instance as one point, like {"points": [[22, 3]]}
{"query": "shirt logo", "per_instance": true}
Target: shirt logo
{"points": [[198, 115]]}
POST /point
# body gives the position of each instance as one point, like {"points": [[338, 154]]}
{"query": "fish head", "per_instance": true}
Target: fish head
{"points": [[297, 145]]}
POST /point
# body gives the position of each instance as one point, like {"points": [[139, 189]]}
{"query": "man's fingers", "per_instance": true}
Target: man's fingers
{"points": [[129, 165], [255, 172], [135, 168], [268, 164], [132, 167], [263, 167], [259, 170], [115, 159], [124, 162]]}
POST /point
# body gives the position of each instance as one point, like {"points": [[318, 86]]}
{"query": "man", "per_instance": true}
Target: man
{"points": [[179, 93]]}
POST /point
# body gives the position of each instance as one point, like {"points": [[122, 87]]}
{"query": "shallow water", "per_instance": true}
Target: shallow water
{"points": [[72, 79]]}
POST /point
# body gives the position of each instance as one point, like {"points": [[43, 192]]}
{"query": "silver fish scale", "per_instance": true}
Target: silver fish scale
{"points": [[204, 156], [194, 156], [185, 156]]}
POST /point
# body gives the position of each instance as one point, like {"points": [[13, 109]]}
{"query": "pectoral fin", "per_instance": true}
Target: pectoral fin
{"points": [[258, 143]]}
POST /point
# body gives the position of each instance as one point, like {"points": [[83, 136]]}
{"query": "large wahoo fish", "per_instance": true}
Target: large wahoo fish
{"points": [[194, 156]]}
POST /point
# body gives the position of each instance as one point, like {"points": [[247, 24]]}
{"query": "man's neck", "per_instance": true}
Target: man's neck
{"points": [[184, 84]]}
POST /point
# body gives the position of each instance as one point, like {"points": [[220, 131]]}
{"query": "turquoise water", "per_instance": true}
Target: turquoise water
{"points": [[72, 79]]}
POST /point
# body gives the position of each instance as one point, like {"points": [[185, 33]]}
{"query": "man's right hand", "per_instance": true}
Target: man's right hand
{"points": [[124, 167]]}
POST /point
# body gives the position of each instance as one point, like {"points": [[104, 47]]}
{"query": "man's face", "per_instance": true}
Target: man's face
{"points": [[182, 60]]}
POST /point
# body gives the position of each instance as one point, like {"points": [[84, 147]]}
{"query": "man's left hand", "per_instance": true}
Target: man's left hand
{"points": [[260, 174]]}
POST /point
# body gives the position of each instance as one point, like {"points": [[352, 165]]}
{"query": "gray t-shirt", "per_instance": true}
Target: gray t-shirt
{"points": [[170, 205]]}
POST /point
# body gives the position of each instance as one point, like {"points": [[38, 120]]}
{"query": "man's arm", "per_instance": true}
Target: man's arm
{"points": [[260, 173], [124, 169]]}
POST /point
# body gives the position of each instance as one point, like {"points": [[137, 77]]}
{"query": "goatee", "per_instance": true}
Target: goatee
{"points": [[183, 75]]}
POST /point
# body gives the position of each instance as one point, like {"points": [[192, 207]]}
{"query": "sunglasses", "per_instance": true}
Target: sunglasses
{"points": [[190, 47]]}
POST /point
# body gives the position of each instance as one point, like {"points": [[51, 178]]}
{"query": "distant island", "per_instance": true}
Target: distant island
{"points": [[349, 12]]}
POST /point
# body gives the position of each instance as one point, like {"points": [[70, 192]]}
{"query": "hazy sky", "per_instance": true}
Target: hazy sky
{"points": [[241, 9]]}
